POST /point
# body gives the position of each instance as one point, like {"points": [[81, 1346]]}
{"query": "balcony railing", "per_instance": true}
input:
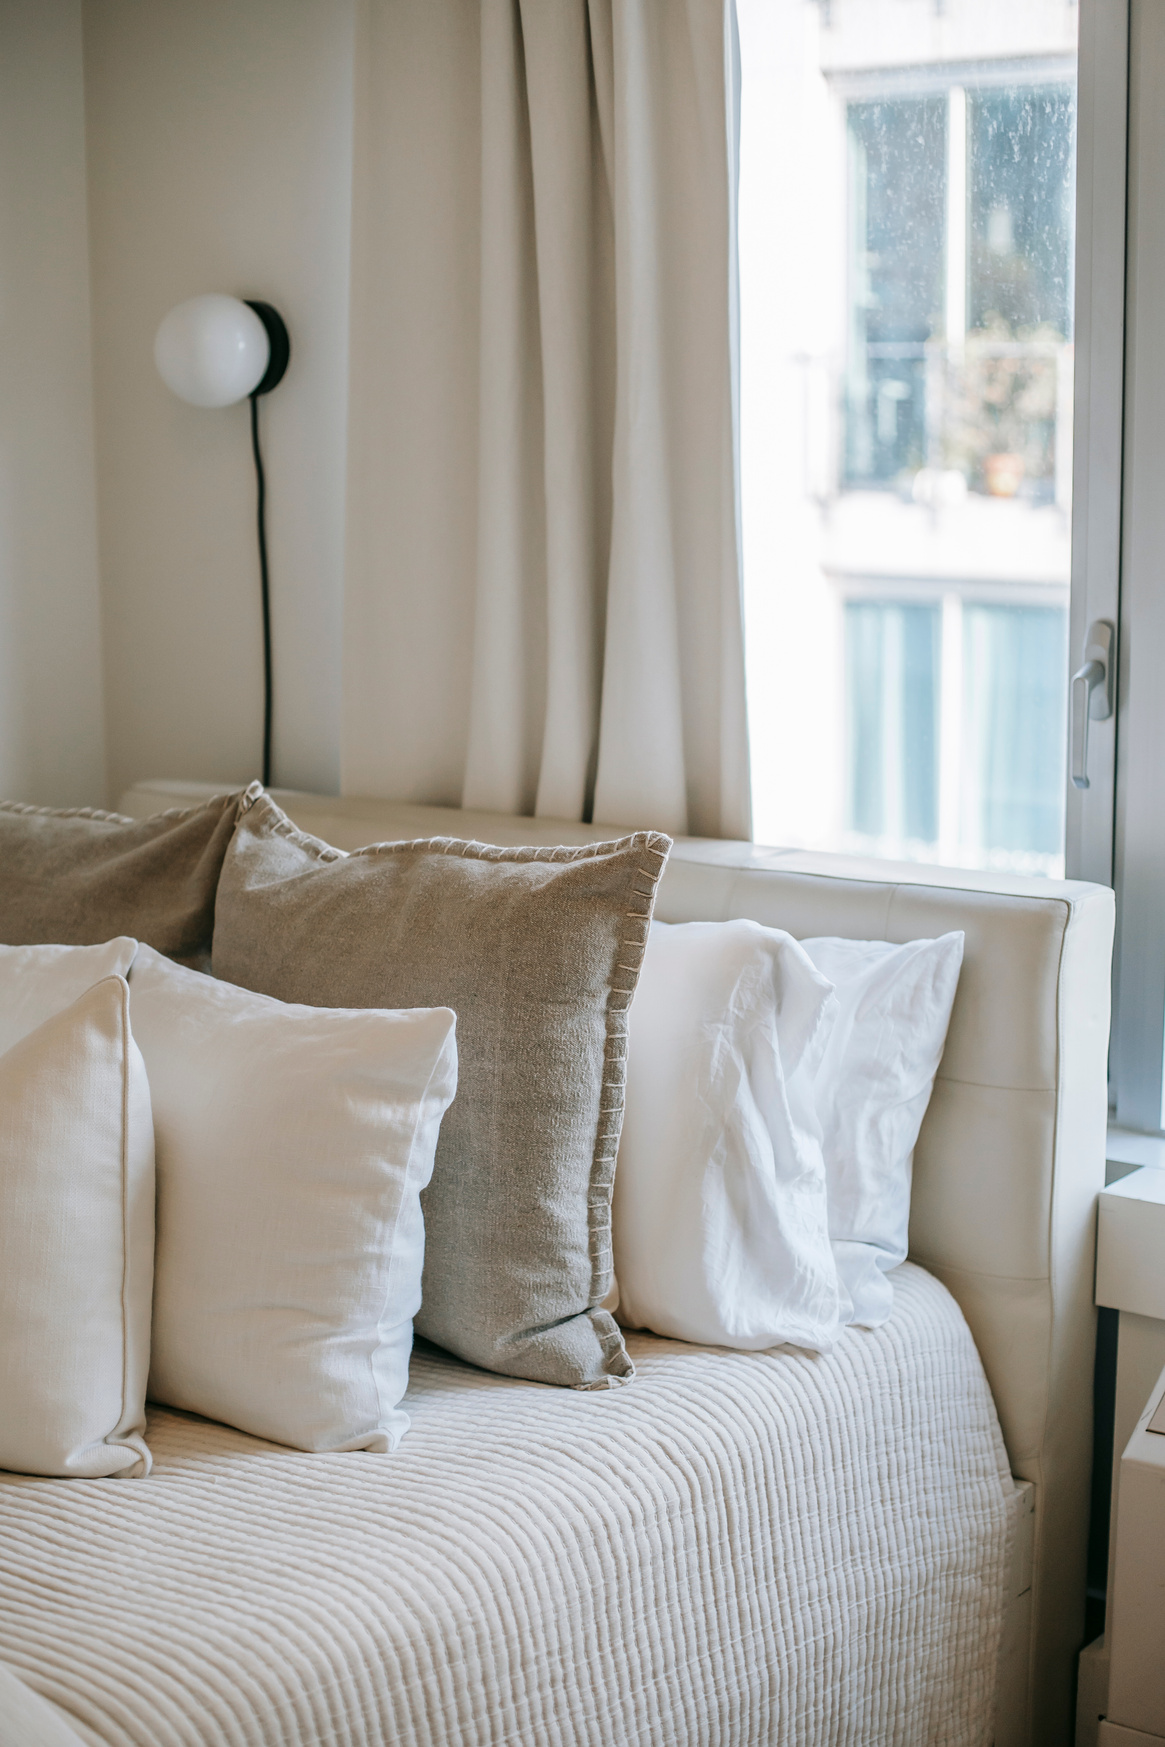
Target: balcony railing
{"points": [[993, 412]]}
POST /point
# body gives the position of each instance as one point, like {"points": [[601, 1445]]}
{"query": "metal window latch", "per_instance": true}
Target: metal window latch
{"points": [[1091, 694]]}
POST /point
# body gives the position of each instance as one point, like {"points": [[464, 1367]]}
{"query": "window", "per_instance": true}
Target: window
{"points": [[897, 248], [893, 662], [907, 245]]}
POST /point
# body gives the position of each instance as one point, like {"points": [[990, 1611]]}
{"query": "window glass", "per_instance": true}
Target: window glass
{"points": [[1014, 659], [1021, 199], [906, 246], [897, 154], [892, 680]]}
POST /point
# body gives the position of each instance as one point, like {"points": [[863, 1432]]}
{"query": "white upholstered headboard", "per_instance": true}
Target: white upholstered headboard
{"points": [[1011, 1155]]}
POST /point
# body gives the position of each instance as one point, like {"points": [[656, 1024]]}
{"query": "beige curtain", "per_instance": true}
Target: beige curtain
{"points": [[543, 603]]}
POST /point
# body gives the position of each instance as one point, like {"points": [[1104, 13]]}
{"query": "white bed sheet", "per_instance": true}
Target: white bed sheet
{"points": [[735, 1548]]}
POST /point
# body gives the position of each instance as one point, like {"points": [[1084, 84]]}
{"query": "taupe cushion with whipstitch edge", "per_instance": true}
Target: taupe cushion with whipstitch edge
{"points": [[537, 951], [77, 877]]}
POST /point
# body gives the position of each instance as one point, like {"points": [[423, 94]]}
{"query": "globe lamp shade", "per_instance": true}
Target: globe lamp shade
{"points": [[212, 350]]}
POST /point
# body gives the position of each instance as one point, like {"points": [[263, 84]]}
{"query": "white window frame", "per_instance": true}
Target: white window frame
{"points": [[1139, 812], [1115, 127], [1101, 157], [1116, 828]]}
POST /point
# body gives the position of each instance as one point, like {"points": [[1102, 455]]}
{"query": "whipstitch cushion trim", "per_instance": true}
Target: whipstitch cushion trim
{"points": [[250, 795], [646, 853]]}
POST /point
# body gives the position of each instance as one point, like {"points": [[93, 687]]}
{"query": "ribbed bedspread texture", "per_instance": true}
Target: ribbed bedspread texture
{"points": [[736, 1548]]}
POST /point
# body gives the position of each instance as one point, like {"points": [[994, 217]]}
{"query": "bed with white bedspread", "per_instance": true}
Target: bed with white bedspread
{"points": [[739, 1548]]}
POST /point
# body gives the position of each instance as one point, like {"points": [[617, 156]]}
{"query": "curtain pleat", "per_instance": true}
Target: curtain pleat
{"points": [[601, 622]]}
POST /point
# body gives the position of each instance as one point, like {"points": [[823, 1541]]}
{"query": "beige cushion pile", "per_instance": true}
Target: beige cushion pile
{"points": [[297, 1105]]}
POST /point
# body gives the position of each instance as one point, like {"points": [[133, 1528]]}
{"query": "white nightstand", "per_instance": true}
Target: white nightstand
{"points": [[1130, 1278], [1135, 1712]]}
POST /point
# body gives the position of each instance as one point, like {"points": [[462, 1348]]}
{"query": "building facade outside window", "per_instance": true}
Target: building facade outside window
{"points": [[907, 246]]}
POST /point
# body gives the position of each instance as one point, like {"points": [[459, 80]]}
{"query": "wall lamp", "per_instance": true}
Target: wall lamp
{"points": [[215, 351]]}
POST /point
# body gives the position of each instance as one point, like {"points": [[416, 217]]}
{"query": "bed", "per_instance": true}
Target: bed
{"points": [[714, 1554], [737, 1548]]}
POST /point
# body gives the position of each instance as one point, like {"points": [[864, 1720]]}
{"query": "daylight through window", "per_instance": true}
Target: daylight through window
{"points": [[907, 218]]}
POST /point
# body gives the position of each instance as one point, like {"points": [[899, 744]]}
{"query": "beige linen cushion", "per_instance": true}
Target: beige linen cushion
{"points": [[292, 1144], [76, 1242], [538, 952], [79, 876]]}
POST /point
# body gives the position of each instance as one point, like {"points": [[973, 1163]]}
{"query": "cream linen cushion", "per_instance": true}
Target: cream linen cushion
{"points": [[721, 1218], [293, 1144], [80, 876], [76, 1242], [38, 981], [538, 953]]}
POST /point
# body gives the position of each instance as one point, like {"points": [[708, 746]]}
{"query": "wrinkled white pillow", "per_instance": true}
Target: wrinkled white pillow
{"points": [[292, 1147], [38, 981], [871, 1088], [76, 1232], [720, 1217]]}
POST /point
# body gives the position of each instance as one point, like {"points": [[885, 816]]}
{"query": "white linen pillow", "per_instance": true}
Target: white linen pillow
{"points": [[720, 1216], [76, 1238], [38, 981], [292, 1145], [871, 1087]]}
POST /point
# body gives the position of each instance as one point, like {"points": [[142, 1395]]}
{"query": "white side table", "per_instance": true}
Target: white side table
{"points": [[1130, 1278], [1135, 1715]]}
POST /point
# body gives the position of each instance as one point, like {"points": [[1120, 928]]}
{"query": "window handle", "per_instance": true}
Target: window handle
{"points": [[1091, 694]]}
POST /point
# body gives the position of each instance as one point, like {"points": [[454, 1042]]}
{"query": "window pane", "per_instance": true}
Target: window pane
{"points": [[892, 657], [897, 153], [1014, 663], [906, 246], [1022, 191]]}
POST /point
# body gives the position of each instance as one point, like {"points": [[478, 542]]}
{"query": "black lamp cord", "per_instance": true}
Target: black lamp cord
{"points": [[261, 496]]}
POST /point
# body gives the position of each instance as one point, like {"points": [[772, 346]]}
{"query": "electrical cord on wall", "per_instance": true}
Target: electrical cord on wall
{"points": [[264, 584], [279, 351], [209, 351]]}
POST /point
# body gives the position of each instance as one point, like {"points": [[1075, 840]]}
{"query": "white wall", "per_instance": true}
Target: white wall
{"points": [[219, 151], [51, 736]]}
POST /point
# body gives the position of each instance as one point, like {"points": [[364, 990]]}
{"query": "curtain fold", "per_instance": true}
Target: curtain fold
{"points": [[582, 593]]}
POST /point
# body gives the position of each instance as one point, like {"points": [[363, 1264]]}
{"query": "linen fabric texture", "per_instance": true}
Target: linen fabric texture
{"points": [[720, 1216], [29, 1720], [538, 952], [871, 1087], [743, 1549], [542, 592], [76, 1241], [81, 877], [37, 982], [292, 1144]]}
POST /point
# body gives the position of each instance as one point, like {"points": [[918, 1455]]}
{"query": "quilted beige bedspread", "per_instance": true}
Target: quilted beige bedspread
{"points": [[737, 1547]]}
